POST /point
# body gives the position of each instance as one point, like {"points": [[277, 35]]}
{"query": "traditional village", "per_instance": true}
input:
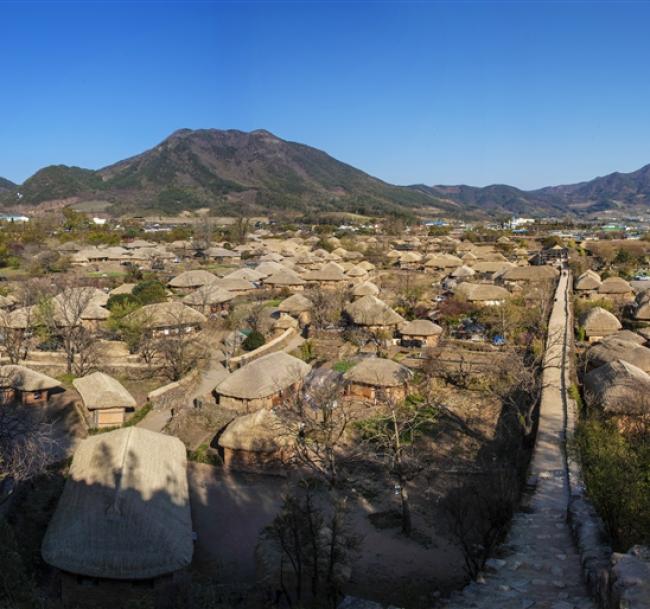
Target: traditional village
{"points": [[238, 413]]}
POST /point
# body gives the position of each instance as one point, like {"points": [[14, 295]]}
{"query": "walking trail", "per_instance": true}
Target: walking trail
{"points": [[540, 567]]}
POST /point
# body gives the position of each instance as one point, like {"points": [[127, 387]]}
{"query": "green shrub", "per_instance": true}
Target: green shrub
{"points": [[253, 341], [343, 366], [616, 471]]}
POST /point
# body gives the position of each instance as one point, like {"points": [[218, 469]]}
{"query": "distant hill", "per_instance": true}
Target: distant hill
{"points": [[233, 172], [229, 172], [626, 191], [6, 185]]}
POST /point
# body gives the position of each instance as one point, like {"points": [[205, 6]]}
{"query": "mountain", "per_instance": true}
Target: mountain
{"points": [[625, 191], [6, 185], [228, 172]]}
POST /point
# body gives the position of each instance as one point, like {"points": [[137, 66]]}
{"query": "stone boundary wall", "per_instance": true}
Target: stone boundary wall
{"points": [[276, 344], [173, 394], [616, 581]]}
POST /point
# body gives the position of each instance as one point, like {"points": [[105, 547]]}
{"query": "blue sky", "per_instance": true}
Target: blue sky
{"points": [[526, 93]]}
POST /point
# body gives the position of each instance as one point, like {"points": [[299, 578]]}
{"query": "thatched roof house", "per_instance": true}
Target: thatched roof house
{"points": [[482, 293], [420, 333], [329, 275], [372, 313], [612, 349], [124, 514], [285, 278], [367, 288], [257, 442], [246, 274], [530, 274], [263, 383], [164, 318], [210, 298], [24, 384], [105, 398], [587, 284], [599, 323], [297, 306], [191, 280], [618, 388], [376, 378], [616, 288]]}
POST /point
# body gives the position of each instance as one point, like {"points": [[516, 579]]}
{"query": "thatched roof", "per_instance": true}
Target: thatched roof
{"points": [[618, 387], [364, 289], [599, 322], [125, 288], [420, 327], [378, 372], [530, 273], [166, 315], [208, 295], [587, 281], [261, 431], [234, 285], [356, 271], [614, 285], [487, 266], [626, 335], [192, 279], [244, 273], [220, 252], [25, 379], [370, 311], [295, 304], [463, 271], [125, 508], [605, 352], [328, 272], [99, 391], [443, 261], [264, 377], [284, 276], [95, 312]]}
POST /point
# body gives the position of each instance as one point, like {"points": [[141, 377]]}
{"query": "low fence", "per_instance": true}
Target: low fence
{"points": [[276, 344], [173, 395]]}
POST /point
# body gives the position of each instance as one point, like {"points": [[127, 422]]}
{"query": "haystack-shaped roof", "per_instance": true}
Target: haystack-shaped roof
{"points": [[166, 315], [378, 372], [192, 279], [125, 288], [618, 387], [284, 276], [25, 379], [626, 335], [356, 271], [234, 285], [125, 509], [95, 311], [443, 261], [366, 265], [486, 292], [209, 294], [530, 273], [614, 285], [244, 273], [587, 281], [330, 271], [599, 322], [463, 271], [220, 252], [99, 391], [367, 288], [261, 431], [487, 266], [295, 304], [264, 377], [605, 352], [370, 311], [420, 327]]}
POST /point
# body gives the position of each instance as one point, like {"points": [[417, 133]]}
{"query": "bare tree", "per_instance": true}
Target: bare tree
{"points": [[327, 307], [26, 442], [62, 315], [319, 418], [391, 438], [311, 547]]}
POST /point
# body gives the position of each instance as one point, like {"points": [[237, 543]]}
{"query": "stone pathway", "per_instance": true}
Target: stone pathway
{"points": [[538, 566]]}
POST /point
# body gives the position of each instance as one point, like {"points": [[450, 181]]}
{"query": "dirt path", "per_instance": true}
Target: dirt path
{"points": [[539, 566]]}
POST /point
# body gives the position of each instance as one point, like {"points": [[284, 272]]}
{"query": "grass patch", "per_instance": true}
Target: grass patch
{"points": [[138, 415], [343, 366]]}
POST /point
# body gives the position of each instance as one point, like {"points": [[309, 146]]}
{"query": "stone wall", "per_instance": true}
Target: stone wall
{"points": [[616, 581], [277, 344], [173, 395]]}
